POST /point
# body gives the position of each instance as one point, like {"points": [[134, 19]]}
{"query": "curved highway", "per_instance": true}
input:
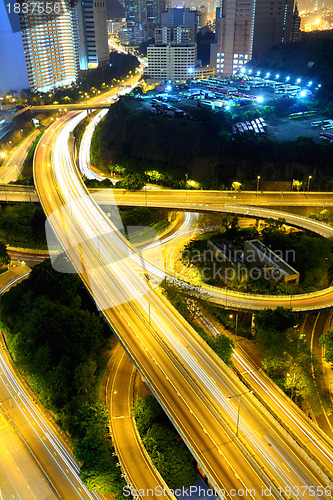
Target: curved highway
{"points": [[196, 389]]}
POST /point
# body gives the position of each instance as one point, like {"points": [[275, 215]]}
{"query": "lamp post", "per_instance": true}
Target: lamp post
{"points": [[236, 322], [238, 409], [292, 184], [309, 179], [258, 180], [186, 180], [148, 283]]}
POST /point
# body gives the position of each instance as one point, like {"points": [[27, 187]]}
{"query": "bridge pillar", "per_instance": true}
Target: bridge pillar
{"points": [[253, 322]]}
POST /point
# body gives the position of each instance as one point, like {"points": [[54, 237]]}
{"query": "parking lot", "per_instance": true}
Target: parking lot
{"points": [[283, 129], [236, 95]]}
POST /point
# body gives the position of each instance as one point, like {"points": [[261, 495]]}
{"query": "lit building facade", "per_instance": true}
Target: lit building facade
{"points": [[179, 17], [247, 28], [178, 35], [171, 62], [51, 48], [93, 36], [235, 25]]}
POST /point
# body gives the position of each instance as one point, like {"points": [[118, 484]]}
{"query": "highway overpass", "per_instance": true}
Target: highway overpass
{"points": [[193, 200], [199, 393]]}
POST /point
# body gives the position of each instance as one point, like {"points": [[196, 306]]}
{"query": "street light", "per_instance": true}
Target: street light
{"points": [[238, 410], [258, 180], [236, 321], [310, 177]]}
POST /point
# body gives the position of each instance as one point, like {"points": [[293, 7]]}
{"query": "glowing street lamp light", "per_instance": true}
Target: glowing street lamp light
{"points": [[277, 76], [236, 322]]}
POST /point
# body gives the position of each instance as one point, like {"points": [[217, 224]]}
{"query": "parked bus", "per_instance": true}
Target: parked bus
{"points": [[255, 127], [326, 136]]}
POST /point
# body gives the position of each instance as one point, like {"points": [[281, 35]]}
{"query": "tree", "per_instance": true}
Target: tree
{"points": [[4, 257], [236, 186], [326, 341], [146, 411], [272, 326], [297, 184], [132, 182]]}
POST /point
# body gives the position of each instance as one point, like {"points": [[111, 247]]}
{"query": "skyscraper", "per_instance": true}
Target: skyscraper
{"points": [[51, 47], [144, 15], [235, 24], [250, 27], [272, 24], [93, 37]]}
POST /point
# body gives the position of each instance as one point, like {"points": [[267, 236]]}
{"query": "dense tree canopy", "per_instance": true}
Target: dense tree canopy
{"points": [[326, 340], [165, 447], [287, 358], [59, 342]]}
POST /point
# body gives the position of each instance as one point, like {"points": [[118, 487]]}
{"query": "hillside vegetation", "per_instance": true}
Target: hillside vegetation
{"points": [[138, 142]]}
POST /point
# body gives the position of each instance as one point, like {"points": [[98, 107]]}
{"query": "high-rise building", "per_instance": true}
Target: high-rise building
{"points": [[235, 23], [142, 16], [171, 62], [173, 56], [272, 24], [178, 35], [178, 17], [201, 16], [93, 36], [247, 28], [295, 33], [51, 47]]}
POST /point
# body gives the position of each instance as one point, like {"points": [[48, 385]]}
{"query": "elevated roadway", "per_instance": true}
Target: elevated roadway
{"points": [[195, 388], [194, 200], [69, 107], [171, 199]]}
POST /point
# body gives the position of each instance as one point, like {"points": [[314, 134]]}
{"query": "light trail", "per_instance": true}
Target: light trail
{"points": [[211, 379]]}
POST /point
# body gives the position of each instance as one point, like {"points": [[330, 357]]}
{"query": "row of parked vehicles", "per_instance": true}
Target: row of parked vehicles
{"points": [[323, 124]]}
